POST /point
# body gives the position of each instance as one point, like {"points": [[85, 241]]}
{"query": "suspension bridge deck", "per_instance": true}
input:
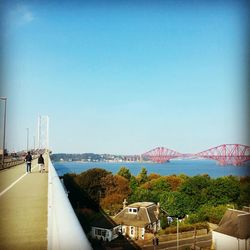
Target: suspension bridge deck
{"points": [[23, 207]]}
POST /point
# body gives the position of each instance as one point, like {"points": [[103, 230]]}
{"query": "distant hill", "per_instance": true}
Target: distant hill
{"points": [[76, 157], [88, 157]]}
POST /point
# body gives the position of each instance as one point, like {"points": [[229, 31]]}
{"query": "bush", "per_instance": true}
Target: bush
{"points": [[164, 222], [195, 218], [208, 213], [186, 228], [202, 225]]}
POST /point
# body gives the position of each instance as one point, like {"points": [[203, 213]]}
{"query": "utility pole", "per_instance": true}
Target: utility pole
{"points": [[4, 127], [38, 132], [27, 139], [177, 233], [194, 237]]}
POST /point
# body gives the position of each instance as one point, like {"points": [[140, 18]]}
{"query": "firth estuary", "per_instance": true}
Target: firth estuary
{"points": [[174, 167]]}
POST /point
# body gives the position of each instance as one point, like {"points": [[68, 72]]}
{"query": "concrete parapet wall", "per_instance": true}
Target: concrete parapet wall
{"points": [[64, 229]]}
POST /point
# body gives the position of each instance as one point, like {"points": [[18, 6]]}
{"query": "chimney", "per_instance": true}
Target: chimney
{"points": [[124, 203]]}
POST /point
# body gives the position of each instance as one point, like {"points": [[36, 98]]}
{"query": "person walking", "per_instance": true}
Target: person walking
{"points": [[28, 160], [41, 163]]}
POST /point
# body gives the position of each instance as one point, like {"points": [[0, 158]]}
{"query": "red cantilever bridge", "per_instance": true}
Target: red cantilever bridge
{"points": [[226, 154]]}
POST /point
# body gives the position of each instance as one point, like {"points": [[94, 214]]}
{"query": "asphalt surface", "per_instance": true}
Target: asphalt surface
{"points": [[203, 242], [23, 208]]}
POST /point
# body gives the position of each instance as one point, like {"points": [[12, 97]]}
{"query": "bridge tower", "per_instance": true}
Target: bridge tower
{"points": [[43, 132]]}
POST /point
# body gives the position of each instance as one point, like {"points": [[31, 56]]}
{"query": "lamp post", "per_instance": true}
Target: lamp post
{"points": [[27, 139], [177, 233], [4, 126], [195, 237], [170, 220]]}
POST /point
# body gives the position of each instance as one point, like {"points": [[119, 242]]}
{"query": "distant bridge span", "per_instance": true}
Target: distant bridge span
{"points": [[161, 154], [226, 154]]}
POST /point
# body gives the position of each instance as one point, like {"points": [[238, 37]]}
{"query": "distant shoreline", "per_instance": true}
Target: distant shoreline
{"points": [[189, 168]]}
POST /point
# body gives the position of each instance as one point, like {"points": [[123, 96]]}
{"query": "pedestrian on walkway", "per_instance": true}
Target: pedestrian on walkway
{"points": [[28, 160], [41, 163]]}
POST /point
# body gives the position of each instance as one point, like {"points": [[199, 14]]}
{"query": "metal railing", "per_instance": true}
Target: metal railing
{"points": [[64, 229], [8, 163], [18, 158]]}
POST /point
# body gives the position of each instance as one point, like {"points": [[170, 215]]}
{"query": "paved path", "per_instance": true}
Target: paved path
{"points": [[23, 208]]}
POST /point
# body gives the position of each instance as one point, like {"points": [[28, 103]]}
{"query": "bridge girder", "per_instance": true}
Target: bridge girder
{"points": [[226, 154]]}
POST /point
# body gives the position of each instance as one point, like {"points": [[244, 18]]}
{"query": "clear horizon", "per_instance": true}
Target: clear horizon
{"points": [[124, 78]]}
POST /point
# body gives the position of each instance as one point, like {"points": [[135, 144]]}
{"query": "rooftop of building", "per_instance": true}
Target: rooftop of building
{"points": [[145, 214], [101, 220], [141, 204], [235, 223]]}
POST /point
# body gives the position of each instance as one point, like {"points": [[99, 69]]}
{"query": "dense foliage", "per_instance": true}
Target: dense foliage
{"points": [[200, 197], [186, 228]]}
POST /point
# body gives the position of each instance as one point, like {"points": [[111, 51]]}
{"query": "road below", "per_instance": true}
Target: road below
{"points": [[204, 242]]}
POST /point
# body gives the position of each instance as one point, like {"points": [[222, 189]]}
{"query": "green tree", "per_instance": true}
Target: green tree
{"points": [[161, 185], [224, 190], [244, 199], [194, 185], [196, 188], [90, 182], [164, 222], [208, 213], [133, 183], [158, 185], [141, 194], [142, 176], [124, 172], [175, 203]]}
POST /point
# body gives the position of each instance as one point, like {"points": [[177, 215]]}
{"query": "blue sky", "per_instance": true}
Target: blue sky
{"points": [[125, 77]]}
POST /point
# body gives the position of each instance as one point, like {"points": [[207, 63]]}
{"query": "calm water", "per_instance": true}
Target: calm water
{"points": [[188, 167]]}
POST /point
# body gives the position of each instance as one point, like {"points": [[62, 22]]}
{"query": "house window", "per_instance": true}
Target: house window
{"points": [[132, 210], [99, 232], [132, 231], [142, 233]]}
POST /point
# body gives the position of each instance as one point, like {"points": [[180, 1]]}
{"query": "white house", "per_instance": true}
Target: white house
{"points": [[104, 228], [138, 218], [233, 232]]}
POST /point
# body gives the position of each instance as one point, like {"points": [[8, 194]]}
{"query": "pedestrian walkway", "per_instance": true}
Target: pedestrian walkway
{"points": [[23, 208]]}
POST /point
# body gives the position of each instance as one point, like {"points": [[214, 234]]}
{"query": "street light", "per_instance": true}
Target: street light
{"points": [[177, 233], [27, 139], [170, 220], [4, 126]]}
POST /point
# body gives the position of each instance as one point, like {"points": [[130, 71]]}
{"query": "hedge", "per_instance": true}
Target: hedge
{"points": [[187, 227]]}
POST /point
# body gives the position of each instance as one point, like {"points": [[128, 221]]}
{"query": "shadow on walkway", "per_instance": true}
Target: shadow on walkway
{"points": [[89, 214]]}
